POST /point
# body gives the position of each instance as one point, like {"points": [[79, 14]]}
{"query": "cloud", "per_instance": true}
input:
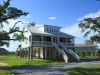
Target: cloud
{"points": [[90, 15], [13, 44], [75, 30], [28, 16], [52, 18]]}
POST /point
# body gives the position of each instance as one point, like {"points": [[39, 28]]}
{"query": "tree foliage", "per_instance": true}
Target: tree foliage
{"points": [[89, 25], [6, 13]]}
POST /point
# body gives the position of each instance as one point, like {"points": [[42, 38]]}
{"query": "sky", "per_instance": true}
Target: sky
{"points": [[63, 13]]}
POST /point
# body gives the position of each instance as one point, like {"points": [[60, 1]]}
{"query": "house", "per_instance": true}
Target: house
{"points": [[85, 48], [48, 42], [3, 51]]}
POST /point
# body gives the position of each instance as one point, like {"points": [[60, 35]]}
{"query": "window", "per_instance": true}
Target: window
{"points": [[30, 38], [52, 29], [47, 29], [56, 30], [90, 48], [84, 48]]}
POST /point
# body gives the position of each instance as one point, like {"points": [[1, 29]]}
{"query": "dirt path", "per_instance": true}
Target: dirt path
{"points": [[4, 65]]}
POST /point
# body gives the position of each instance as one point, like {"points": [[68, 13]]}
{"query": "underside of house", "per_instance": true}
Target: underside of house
{"points": [[49, 53], [48, 45]]}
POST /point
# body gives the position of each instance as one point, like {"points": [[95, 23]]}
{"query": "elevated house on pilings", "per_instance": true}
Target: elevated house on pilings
{"points": [[48, 42]]}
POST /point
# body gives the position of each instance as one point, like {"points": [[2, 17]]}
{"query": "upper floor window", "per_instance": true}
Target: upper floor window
{"points": [[47, 30], [50, 29]]}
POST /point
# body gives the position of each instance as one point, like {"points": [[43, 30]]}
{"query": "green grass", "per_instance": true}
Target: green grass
{"points": [[86, 70], [16, 62]]}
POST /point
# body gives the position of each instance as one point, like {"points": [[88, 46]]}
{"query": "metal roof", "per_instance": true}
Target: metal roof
{"points": [[34, 29], [84, 45]]}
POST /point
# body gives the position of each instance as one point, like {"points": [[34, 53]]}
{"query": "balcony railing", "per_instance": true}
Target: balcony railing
{"points": [[49, 43], [67, 44], [41, 43]]}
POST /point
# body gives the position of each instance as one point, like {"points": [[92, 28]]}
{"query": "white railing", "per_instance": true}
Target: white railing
{"points": [[36, 42], [67, 44], [70, 44], [70, 51], [41, 43], [65, 57], [61, 51], [63, 46], [56, 46], [74, 54], [47, 43]]}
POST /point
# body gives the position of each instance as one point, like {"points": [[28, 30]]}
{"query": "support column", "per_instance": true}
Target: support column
{"points": [[25, 53], [39, 53], [58, 39], [66, 40], [42, 39], [31, 53], [20, 52], [47, 53], [52, 39], [57, 54], [34, 53], [43, 52], [51, 53], [28, 53]]}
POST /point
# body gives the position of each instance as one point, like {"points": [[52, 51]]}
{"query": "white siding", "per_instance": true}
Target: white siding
{"points": [[41, 28], [26, 43]]}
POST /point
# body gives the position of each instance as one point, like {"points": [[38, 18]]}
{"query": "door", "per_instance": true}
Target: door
{"points": [[55, 40]]}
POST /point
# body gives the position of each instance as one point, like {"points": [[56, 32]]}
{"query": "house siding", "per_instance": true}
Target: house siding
{"points": [[81, 49], [26, 43]]}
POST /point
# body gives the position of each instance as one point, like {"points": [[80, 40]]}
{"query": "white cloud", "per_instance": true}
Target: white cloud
{"points": [[90, 15], [52, 18], [28, 16], [75, 30], [13, 45]]}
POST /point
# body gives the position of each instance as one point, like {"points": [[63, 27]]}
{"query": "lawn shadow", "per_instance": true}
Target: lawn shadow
{"points": [[84, 71]]}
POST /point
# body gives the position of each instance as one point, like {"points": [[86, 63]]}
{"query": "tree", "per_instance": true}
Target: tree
{"points": [[6, 13], [88, 42], [89, 25]]}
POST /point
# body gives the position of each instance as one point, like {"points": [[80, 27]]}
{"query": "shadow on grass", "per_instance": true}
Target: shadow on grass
{"points": [[84, 71], [88, 60], [44, 62], [7, 70]]}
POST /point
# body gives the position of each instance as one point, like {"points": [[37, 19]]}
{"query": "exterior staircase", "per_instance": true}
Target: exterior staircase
{"points": [[72, 57], [61, 51]]}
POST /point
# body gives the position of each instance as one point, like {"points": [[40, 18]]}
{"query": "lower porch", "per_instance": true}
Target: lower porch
{"points": [[49, 53]]}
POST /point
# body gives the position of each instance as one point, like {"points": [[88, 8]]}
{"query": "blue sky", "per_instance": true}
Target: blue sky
{"points": [[64, 13]]}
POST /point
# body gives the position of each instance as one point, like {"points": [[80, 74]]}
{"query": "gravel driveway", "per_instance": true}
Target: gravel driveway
{"points": [[51, 69]]}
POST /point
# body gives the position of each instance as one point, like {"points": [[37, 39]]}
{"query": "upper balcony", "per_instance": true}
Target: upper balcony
{"points": [[40, 40]]}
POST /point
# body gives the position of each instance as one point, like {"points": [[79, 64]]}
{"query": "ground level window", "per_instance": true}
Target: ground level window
{"points": [[84, 48]]}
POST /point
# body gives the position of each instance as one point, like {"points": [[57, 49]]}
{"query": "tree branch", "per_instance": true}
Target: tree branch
{"points": [[7, 39], [16, 31], [17, 23], [4, 19]]}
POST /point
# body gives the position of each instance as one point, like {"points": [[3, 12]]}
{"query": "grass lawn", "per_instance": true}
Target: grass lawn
{"points": [[16, 62], [86, 70]]}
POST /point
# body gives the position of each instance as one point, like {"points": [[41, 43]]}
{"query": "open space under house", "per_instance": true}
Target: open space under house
{"points": [[48, 42]]}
